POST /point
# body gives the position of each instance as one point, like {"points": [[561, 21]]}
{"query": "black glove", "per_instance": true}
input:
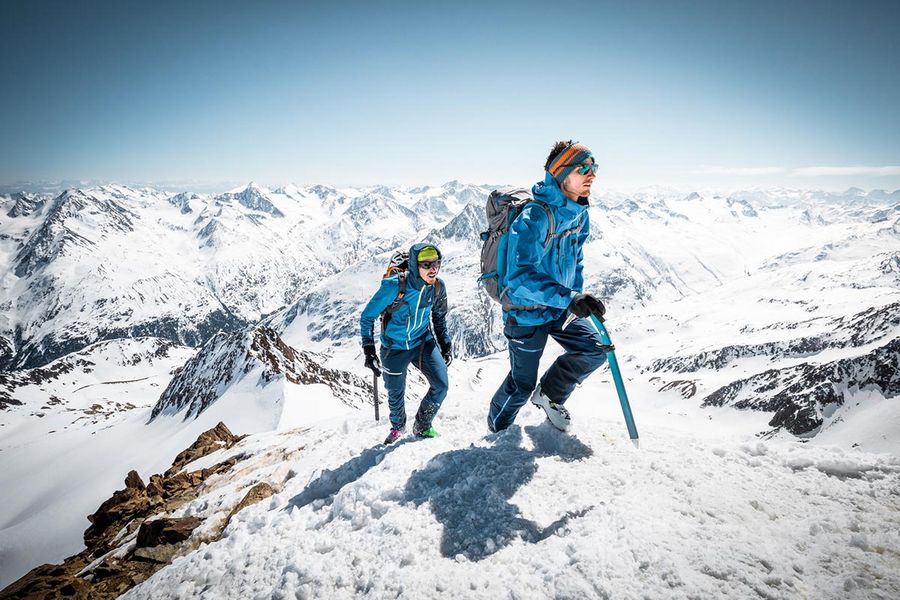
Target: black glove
{"points": [[585, 305], [372, 360], [447, 353]]}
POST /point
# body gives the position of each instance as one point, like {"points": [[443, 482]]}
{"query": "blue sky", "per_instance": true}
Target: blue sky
{"points": [[740, 94]]}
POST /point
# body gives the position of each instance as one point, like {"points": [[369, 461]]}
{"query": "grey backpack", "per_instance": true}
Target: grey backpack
{"points": [[503, 206]]}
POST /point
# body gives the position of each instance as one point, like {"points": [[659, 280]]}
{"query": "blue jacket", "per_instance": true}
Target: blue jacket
{"points": [[545, 281], [408, 327]]}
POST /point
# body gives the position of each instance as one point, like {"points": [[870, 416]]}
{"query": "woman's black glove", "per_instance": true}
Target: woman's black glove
{"points": [[585, 305], [372, 360], [447, 353]]}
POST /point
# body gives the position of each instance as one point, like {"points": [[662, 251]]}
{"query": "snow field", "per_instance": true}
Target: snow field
{"points": [[533, 512]]}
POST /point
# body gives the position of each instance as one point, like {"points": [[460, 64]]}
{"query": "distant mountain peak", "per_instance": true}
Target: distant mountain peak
{"points": [[254, 197], [228, 358]]}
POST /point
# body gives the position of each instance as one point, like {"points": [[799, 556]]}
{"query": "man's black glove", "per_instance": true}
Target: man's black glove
{"points": [[585, 305], [447, 353], [372, 360]]}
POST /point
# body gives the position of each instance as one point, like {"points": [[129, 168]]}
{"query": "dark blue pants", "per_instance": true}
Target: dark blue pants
{"points": [[427, 358], [583, 355]]}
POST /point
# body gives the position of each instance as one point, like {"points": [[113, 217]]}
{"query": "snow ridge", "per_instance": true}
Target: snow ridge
{"points": [[226, 359]]}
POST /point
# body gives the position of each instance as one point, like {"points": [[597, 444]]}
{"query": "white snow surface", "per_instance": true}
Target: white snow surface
{"points": [[696, 512]]}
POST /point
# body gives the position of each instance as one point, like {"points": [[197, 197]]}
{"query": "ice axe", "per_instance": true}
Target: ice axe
{"points": [[610, 351], [376, 373]]}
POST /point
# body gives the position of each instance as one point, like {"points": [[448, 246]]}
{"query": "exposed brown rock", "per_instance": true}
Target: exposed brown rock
{"points": [[217, 438], [134, 481], [114, 513], [162, 554], [257, 493], [158, 541], [166, 531], [49, 581]]}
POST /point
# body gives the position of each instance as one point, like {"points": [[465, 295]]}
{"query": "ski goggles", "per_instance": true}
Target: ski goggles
{"points": [[430, 264]]}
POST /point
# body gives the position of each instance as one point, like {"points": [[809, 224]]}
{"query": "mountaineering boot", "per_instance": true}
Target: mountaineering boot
{"points": [[428, 432], [556, 413], [393, 436]]}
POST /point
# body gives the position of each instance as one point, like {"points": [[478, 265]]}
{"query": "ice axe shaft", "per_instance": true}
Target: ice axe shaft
{"points": [[617, 379], [375, 388]]}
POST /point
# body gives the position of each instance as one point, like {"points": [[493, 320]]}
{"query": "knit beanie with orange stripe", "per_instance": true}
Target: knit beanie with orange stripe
{"points": [[566, 161]]}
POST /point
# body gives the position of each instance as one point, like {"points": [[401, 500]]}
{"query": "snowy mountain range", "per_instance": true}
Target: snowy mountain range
{"points": [[136, 319]]}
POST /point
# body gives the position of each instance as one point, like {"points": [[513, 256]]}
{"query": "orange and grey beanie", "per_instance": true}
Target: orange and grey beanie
{"points": [[566, 161]]}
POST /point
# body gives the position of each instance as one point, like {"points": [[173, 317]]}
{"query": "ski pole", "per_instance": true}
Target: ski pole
{"points": [[617, 379]]}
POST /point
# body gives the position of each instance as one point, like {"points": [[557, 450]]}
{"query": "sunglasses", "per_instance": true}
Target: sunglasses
{"points": [[429, 264], [584, 168]]}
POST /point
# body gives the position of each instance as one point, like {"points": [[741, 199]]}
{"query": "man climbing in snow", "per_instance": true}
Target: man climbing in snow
{"points": [[406, 337], [545, 285]]}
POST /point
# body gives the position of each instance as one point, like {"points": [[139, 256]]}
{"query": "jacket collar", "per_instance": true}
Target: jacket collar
{"points": [[549, 192]]}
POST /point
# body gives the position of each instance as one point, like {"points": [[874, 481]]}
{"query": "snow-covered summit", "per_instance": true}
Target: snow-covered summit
{"points": [[250, 368]]}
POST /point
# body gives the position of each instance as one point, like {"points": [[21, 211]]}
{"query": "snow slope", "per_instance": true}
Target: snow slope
{"points": [[60, 460], [531, 512]]}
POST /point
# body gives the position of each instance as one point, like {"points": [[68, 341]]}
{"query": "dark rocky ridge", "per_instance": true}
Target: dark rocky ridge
{"points": [[130, 537], [41, 351], [226, 358], [55, 234], [25, 205], [864, 328], [11, 380], [798, 395]]}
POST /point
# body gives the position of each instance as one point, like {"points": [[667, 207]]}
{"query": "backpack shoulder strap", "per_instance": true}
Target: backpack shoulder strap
{"points": [[395, 305]]}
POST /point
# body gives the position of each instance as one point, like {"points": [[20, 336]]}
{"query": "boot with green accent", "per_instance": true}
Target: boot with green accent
{"points": [[430, 432]]}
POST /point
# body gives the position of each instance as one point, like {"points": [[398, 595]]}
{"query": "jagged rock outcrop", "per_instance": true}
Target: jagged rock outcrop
{"points": [[166, 531], [217, 438], [866, 327], [162, 493], [133, 351], [228, 358], [25, 205], [257, 493], [799, 395], [57, 233], [132, 535]]}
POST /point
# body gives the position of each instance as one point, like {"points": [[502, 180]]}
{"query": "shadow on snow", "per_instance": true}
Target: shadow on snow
{"points": [[469, 490], [330, 481]]}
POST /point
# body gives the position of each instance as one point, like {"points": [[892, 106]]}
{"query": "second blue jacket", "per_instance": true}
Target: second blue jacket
{"points": [[408, 327], [545, 279]]}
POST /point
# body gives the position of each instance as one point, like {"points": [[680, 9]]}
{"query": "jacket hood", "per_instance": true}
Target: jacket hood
{"points": [[549, 192], [413, 277]]}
